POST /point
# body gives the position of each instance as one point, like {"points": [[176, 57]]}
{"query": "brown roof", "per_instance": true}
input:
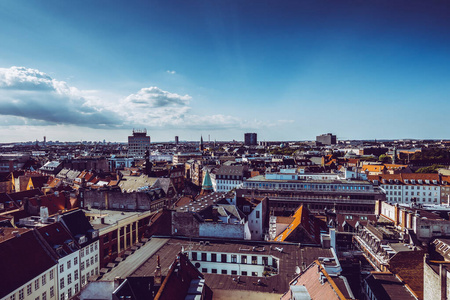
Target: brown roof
{"points": [[310, 279], [291, 257], [409, 266]]}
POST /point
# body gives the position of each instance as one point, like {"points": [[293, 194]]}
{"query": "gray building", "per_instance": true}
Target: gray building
{"points": [[326, 139], [138, 143]]}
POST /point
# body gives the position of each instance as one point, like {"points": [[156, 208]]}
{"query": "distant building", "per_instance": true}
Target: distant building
{"points": [[326, 139], [138, 143], [176, 140], [250, 139]]}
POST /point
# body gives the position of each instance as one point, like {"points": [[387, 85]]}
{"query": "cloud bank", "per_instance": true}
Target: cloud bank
{"points": [[31, 97], [35, 96]]}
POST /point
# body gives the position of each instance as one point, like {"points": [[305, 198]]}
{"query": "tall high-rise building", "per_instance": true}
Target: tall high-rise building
{"points": [[176, 140], [138, 143], [326, 139], [250, 139]]}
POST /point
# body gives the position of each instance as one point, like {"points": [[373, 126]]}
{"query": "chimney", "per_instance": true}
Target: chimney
{"points": [[158, 277]]}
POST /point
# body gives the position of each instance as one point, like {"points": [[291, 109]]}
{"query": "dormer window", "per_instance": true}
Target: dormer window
{"points": [[406, 181]]}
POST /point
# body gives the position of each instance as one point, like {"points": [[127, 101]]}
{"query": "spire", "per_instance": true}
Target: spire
{"points": [[201, 144], [207, 184]]}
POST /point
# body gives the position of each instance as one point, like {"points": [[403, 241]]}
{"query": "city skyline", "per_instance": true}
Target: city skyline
{"points": [[287, 71]]}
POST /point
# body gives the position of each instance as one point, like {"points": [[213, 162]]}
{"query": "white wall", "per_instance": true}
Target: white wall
{"points": [[42, 288]]}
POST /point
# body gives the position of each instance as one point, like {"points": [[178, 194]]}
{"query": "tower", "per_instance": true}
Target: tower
{"points": [[201, 144], [207, 184]]}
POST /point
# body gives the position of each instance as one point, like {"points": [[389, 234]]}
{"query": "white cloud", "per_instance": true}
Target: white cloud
{"points": [[29, 97], [154, 97], [171, 72], [35, 96]]}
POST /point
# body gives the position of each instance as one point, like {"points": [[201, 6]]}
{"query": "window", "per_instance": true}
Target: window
{"points": [[257, 214], [13, 297], [62, 297], [254, 273], [76, 288], [203, 256], [37, 298], [69, 264], [82, 266], [51, 275], [83, 280], [96, 257], [96, 246], [75, 261], [75, 275], [61, 268], [44, 296], [194, 256], [234, 258], [61, 283], [213, 257], [214, 271], [224, 272], [44, 279], [92, 260], [243, 259], [244, 273], [87, 263], [36, 284], [265, 260], [233, 272], [224, 258], [69, 293], [204, 270], [21, 294], [92, 248], [82, 252], [254, 260], [69, 279], [52, 292], [87, 250]]}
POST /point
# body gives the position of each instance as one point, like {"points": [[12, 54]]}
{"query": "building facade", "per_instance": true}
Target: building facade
{"points": [[250, 139], [138, 143]]}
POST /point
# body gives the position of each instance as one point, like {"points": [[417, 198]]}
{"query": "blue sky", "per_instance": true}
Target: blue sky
{"points": [[288, 70]]}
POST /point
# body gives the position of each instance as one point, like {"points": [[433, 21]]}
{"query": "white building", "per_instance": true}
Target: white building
{"points": [[229, 177], [410, 188]]}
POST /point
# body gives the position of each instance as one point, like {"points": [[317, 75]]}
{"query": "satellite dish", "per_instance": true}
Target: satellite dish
{"points": [[297, 270]]}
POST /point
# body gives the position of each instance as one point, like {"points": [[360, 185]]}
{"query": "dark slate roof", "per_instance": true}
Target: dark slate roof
{"points": [[136, 288], [77, 223], [25, 257], [59, 239], [388, 286]]}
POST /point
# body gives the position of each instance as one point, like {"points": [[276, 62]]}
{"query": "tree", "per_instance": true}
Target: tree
{"points": [[384, 158]]}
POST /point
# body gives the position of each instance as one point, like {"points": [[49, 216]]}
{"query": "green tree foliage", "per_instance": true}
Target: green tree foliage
{"points": [[385, 159], [433, 153], [431, 169], [283, 151]]}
